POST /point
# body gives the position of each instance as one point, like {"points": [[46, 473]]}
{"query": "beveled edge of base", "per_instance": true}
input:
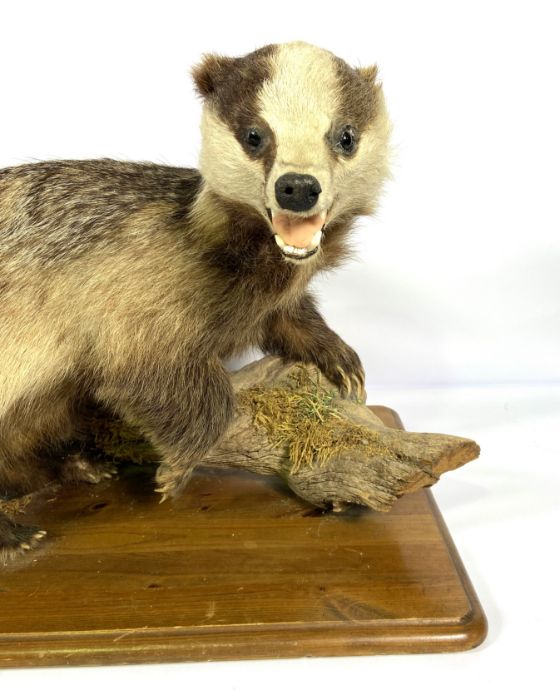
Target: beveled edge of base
{"points": [[474, 625]]}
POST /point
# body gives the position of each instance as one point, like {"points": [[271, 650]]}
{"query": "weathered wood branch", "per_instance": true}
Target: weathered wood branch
{"points": [[290, 421]]}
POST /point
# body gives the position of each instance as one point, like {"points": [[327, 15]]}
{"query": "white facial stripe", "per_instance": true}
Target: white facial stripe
{"points": [[299, 103], [300, 100]]}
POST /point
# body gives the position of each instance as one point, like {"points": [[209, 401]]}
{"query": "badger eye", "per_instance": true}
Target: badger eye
{"points": [[347, 140], [253, 139]]}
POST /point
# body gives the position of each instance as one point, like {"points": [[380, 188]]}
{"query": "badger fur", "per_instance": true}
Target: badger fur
{"points": [[127, 285]]}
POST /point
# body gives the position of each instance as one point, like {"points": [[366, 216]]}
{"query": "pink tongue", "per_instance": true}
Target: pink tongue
{"points": [[298, 231]]}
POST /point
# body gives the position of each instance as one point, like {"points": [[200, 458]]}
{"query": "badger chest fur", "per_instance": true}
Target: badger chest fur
{"points": [[129, 284]]}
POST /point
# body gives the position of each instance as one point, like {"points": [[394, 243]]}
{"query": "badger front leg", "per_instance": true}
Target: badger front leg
{"points": [[300, 333], [182, 405]]}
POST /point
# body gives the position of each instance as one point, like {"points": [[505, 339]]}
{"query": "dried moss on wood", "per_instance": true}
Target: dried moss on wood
{"points": [[300, 414]]}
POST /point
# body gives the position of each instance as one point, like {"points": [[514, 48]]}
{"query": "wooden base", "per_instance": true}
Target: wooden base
{"points": [[237, 568]]}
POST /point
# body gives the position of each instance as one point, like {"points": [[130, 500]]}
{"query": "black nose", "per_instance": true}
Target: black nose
{"points": [[297, 192]]}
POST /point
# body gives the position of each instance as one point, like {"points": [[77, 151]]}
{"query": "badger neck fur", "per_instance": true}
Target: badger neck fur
{"points": [[127, 284]]}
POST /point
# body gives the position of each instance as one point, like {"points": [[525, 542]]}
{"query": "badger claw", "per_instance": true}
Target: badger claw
{"points": [[351, 384], [360, 387], [346, 388], [16, 539], [164, 494], [171, 480]]}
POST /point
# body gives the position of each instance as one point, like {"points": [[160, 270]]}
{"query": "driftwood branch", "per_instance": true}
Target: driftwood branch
{"points": [[291, 422]]}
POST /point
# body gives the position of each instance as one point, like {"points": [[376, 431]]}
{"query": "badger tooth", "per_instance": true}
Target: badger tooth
{"points": [[316, 238], [295, 250]]}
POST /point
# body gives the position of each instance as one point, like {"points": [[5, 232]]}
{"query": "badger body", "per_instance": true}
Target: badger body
{"points": [[127, 285]]}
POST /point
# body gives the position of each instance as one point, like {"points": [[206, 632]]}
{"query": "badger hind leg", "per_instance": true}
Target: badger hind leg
{"points": [[17, 539], [80, 461], [183, 405], [32, 432]]}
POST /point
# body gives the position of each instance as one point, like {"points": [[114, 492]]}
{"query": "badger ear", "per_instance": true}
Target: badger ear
{"points": [[369, 73], [209, 73]]}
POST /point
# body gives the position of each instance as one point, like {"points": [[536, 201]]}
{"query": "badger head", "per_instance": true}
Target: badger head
{"points": [[296, 134]]}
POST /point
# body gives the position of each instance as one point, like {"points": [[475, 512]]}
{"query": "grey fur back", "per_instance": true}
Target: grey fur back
{"points": [[51, 212]]}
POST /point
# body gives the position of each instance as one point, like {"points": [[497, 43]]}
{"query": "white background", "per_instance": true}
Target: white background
{"points": [[453, 301]]}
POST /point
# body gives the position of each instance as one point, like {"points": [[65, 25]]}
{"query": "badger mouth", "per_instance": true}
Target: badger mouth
{"points": [[298, 237]]}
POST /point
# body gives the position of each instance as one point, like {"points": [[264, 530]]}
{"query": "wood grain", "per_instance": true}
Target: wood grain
{"points": [[236, 568]]}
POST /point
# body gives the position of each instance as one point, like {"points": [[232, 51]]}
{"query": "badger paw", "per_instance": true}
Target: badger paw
{"points": [[16, 539], [76, 468], [171, 480], [341, 365]]}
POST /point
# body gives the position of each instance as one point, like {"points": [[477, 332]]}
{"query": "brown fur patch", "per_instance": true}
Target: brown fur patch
{"points": [[247, 252], [56, 215]]}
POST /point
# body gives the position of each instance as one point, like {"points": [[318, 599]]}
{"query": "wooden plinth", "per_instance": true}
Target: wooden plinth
{"points": [[237, 568]]}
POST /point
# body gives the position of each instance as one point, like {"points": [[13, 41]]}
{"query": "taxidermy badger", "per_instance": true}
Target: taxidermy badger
{"points": [[129, 284]]}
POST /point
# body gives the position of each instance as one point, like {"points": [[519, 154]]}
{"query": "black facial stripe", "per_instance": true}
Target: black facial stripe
{"points": [[266, 152], [357, 97], [336, 136]]}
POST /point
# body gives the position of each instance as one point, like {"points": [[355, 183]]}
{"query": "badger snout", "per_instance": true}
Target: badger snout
{"points": [[298, 235], [297, 192], [298, 204]]}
